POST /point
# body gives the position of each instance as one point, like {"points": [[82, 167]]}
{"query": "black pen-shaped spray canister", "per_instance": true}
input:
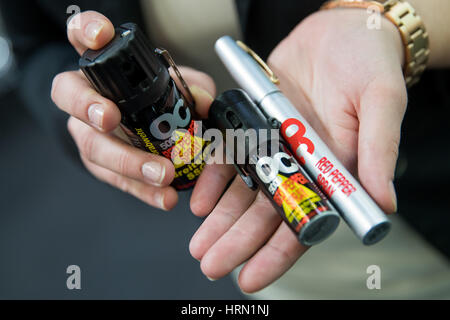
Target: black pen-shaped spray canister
{"points": [[265, 162], [157, 115]]}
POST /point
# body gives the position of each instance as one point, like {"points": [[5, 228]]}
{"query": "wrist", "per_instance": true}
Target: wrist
{"points": [[361, 22], [394, 38], [410, 26]]}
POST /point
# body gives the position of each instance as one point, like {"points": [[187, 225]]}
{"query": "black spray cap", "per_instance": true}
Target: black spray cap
{"points": [[235, 110], [127, 71]]}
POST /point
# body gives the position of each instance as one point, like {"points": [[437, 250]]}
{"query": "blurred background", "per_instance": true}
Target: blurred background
{"points": [[54, 214]]}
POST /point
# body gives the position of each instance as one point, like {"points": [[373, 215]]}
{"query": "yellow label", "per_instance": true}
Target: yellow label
{"points": [[296, 200]]}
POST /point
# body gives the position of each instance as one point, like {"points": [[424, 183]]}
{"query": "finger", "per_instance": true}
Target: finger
{"points": [[162, 198], [382, 109], [117, 156], [72, 93], [213, 181], [93, 31], [242, 240], [202, 88], [209, 187], [271, 261], [203, 100], [233, 204]]}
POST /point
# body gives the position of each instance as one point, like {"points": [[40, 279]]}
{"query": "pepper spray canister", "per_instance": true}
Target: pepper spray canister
{"points": [[157, 115], [356, 207], [266, 162]]}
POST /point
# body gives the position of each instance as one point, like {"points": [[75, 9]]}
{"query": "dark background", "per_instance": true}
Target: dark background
{"points": [[54, 214]]}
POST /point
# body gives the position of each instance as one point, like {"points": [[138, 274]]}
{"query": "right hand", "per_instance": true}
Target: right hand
{"points": [[94, 119], [355, 98]]}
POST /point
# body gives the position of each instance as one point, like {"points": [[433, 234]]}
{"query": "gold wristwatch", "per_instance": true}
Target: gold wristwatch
{"points": [[410, 25]]}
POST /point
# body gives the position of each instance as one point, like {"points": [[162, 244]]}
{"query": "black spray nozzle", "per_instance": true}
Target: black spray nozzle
{"points": [[235, 110], [127, 70]]}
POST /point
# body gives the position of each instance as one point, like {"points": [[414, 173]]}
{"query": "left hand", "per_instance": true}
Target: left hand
{"points": [[94, 120]]}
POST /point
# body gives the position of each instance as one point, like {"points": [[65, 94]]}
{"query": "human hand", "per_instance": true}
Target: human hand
{"points": [[347, 81], [94, 119]]}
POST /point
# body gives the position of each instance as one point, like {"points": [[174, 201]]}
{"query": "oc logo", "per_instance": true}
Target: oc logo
{"points": [[175, 121], [268, 168], [294, 131]]}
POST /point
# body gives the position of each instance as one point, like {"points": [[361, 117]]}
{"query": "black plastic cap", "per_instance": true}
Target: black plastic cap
{"points": [[127, 71], [235, 110]]}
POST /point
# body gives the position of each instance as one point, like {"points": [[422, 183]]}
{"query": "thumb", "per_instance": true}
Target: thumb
{"points": [[382, 108], [89, 29]]}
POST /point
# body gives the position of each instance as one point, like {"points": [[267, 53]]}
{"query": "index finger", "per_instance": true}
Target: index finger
{"points": [[92, 31]]}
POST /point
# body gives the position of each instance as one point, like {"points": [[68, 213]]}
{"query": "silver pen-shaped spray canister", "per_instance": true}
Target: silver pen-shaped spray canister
{"points": [[356, 207]]}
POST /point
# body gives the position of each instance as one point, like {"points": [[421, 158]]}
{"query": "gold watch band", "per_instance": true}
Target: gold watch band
{"points": [[412, 30]]}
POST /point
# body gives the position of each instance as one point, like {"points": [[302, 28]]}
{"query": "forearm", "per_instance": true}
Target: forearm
{"points": [[436, 17]]}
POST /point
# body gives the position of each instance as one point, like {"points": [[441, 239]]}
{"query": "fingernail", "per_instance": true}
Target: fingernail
{"points": [[93, 29], [197, 91], [153, 172], [96, 113], [211, 279], [393, 195], [159, 197]]}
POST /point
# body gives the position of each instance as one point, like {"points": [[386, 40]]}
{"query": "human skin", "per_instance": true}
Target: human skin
{"points": [[94, 119], [346, 80]]}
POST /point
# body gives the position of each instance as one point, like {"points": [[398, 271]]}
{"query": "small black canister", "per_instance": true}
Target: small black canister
{"points": [[266, 162], [157, 115]]}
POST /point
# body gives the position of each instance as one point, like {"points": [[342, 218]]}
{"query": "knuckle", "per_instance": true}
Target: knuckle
{"points": [[222, 173], [394, 148], [398, 94], [121, 183], [385, 90], [403, 92], [391, 91], [229, 214], [244, 235], [281, 251], [123, 162], [92, 169]]}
